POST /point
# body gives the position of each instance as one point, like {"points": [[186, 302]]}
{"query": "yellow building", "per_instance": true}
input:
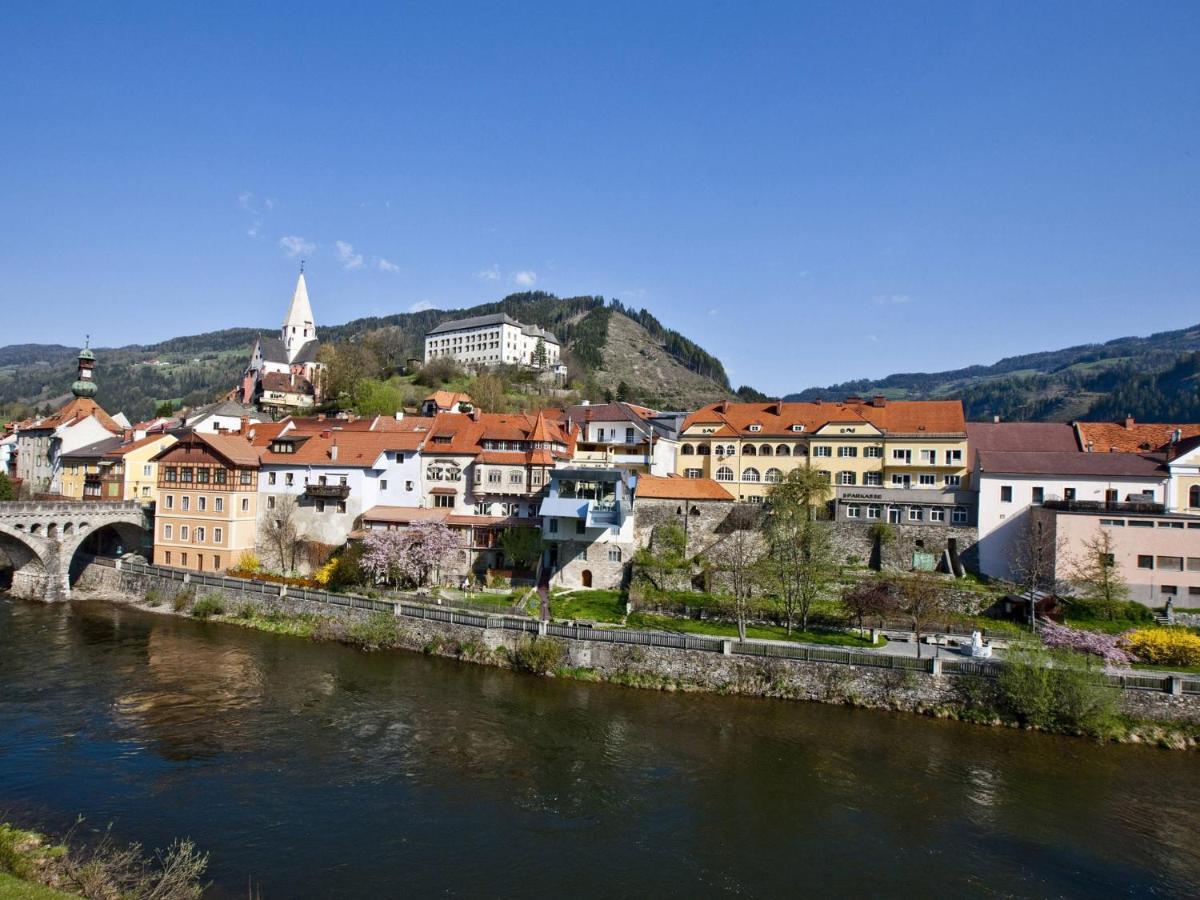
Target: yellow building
{"points": [[83, 469], [207, 502], [887, 455], [132, 470]]}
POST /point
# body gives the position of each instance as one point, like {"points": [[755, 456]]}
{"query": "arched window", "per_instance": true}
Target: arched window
{"points": [[724, 474], [686, 450], [703, 450], [751, 474], [783, 450], [749, 450], [773, 476], [1194, 495], [765, 450], [801, 450]]}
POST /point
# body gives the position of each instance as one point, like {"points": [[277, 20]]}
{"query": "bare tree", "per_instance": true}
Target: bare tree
{"points": [[1032, 562], [922, 600], [1094, 575], [737, 556], [281, 532], [875, 597]]}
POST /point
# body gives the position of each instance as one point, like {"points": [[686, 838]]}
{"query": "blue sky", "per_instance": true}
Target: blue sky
{"points": [[812, 191]]}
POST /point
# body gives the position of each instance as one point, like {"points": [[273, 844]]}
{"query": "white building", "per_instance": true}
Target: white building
{"points": [[588, 526], [1010, 483], [492, 340], [622, 434]]}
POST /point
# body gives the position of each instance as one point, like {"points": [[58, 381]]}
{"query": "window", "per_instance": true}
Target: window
{"points": [[170, 473], [764, 450], [874, 511], [748, 450], [341, 506], [937, 514], [1140, 523], [270, 503], [167, 557], [185, 502], [200, 534], [1006, 493], [873, 452], [1170, 524], [245, 477], [1145, 561], [952, 480], [183, 559], [686, 450], [628, 440], [797, 428], [202, 476], [902, 481], [270, 478], [1194, 495], [580, 526], [185, 474], [693, 473], [826, 475], [1194, 592], [184, 532], [147, 470], [320, 505], [1112, 496], [926, 480], [873, 479], [847, 452], [219, 476], [515, 477], [773, 476], [847, 478], [1068, 493], [703, 450], [821, 450], [554, 526], [443, 501], [218, 535], [750, 474], [167, 532], [783, 450], [217, 562], [724, 474], [289, 479], [494, 476], [1169, 563], [614, 554], [904, 457], [169, 501], [755, 427], [1113, 523], [915, 514], [959, 516], [201, 503], [929, 457], [953, 457], [1193, 563], [1169, 590], [755, 499], [1039, 495], [408, 486], [853, 511], [245, 504]]}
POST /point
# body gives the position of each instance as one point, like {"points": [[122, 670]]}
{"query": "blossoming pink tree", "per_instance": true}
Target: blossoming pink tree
{"points": [[410, 554], [1106, 646]]}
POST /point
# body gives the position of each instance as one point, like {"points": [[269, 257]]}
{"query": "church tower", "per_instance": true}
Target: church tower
{"points": [[298, 326], [85, 382]]}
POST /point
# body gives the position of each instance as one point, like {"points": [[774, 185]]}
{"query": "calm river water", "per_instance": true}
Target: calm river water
{"points": [[314, 770]]}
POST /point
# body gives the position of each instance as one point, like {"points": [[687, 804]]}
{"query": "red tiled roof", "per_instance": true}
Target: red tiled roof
{"points": [[675, 488], [77, 409], [355, 449], [1132, 437], [776, 419], [448, 400], [137, 445], [467, 432]]}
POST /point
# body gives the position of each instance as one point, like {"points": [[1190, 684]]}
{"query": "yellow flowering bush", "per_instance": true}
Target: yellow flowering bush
{"points": [[1165, 646], [247, 563], [323, 574]]}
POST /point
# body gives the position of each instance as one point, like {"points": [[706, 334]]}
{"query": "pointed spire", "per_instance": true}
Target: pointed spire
{"points": [[298, 326]]}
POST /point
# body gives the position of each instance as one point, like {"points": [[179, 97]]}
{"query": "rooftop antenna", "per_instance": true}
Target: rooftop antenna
{"points": [[301, 267], [87, 341]]}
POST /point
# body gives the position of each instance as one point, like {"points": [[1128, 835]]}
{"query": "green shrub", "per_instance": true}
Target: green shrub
{"points": [[153, 597], [1101, 611], [182, 600], [374, 633], [211, 605], [1060, 691], [245, 611], [540, 656]]}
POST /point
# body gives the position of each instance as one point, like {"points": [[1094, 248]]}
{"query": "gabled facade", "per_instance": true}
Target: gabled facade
{"points": [[632, 437]]}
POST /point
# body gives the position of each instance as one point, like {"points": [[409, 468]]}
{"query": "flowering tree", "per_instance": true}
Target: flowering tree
{"points": [[1106, 646], [410, 554]]}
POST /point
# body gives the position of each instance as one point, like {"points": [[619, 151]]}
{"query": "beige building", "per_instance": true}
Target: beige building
{"points": [[207, 501], [882, 445]]}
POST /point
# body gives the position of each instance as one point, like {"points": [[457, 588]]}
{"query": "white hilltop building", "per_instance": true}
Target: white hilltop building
{"points": [[283, 372], [493, 340]]}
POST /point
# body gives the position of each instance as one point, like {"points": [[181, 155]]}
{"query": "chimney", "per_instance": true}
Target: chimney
{"points": [[399, 414], [853, 399], [245, 423], [127, 435], [775, 409], [817, 402], [1091, 447], [327, 434], [879, 400], [333, 452], [1129, 421], [474, 414], [995, 420], [320, 417], [585, 402], [722, 407]]}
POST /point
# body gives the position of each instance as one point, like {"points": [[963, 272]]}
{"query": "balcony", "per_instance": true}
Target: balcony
{"points": [[1145, 507], [327, 491]]}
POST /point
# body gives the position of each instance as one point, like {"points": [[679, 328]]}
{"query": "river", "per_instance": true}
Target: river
{"points": [[315, 770]]}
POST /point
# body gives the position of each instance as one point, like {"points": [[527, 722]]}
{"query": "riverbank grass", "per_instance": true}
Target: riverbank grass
{"points": [[595, 605], [13, 888], [649, 622]]}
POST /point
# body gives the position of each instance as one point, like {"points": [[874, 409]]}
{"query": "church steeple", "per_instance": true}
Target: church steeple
{"points": [[85, 382], [298, 326]]}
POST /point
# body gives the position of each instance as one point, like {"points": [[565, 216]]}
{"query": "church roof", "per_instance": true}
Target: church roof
{"points": [[308, 352], [273, 350], [300, 311]]}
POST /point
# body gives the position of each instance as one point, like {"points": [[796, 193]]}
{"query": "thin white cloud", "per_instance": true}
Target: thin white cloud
{"points": [[891, 299], [713, 312], [294, 245], [492, 273], [421, 306], [246, 202], [269, 203], [253, 230], [347, 257], [873, 338], [386, 265], [525, 278]]}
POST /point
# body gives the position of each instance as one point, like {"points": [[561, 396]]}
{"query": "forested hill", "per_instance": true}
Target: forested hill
{"points": [[198, 368], [1155, 378]]}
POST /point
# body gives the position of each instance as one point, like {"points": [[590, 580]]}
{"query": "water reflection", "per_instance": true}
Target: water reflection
{"points": [[326, 772]]}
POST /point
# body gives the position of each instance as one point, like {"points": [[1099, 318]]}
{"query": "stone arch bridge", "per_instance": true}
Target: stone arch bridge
{"points": [[42, 540]]}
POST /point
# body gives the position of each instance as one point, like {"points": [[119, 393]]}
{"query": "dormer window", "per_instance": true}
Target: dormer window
{"points": [[755, 427], [797, 428]]}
